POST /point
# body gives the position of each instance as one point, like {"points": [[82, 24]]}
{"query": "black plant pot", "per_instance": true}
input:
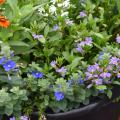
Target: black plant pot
{"points": [[102, 110], [95, 111]]}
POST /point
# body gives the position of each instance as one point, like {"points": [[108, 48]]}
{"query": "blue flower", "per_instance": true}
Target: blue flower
{"points": [[9, 65], [101, 91], [80, 80], [37, 75], [70, 82], [2, 60], [59, 95], [100, 55]]}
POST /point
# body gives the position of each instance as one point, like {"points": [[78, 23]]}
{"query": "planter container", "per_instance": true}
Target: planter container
{"points": [[102, 110], [96, 111]]}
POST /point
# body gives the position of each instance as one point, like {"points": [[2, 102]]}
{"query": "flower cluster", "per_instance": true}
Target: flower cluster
{"points": [[103, 74], [21, 118], [88, 42], [61, 70], [37, 36]]}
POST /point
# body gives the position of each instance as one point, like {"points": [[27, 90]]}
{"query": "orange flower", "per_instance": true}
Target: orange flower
{"points": [[4, 22], [2, 1]]}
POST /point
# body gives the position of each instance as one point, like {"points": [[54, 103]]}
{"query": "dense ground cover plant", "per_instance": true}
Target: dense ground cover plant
{"points": [[57, 54]]}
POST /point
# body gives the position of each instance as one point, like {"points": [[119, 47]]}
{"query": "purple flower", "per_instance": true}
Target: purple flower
{"points": [[2, 60], [88, 75], [59, 95], [40, 36], [96, 66], [55, 28], [91, 68], [91, 71], [82, 43], [37, 36], [114, 60], [98, 81], [105, 75], [79, 49], [96, 76], [83, 14], [24, 118], [53, 64], [37, 74], [118, 39], [9, 65], [88, 41], [62, 71], [109, 68], [13, 118], [118, 75]]}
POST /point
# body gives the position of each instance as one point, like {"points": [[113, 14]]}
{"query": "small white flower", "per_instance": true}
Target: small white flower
{"points": [[59, 4], [46, 14], [69, 22], [53, 1], [41, 10], [52, 9], [64, 14], [66, 3]]}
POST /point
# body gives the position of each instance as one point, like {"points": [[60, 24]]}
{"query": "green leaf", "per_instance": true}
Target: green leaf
{"points": [[86, 102], [42, 40], [13, 4], [26, 10], [118, 5], [109, 93], [44, 84], [46, 30], [116, 82], [19, 46], [62, 104], [99, 35], [101, 87], [75, 62]]}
